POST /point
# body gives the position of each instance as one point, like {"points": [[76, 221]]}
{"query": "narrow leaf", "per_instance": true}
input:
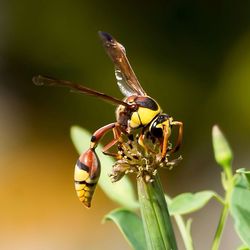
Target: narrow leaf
{"points": [[130, 225], [187, 202], [122, 191], [240, 208]]}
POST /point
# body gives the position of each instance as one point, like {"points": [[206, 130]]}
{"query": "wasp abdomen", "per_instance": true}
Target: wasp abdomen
{"points": [[87, 173]]}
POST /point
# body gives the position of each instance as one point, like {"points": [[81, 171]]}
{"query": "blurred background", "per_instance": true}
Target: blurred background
{"points": [[192, 56]]}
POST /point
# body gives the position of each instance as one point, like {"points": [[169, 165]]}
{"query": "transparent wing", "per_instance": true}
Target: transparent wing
{"points": [[122, 84], [126, 78]]}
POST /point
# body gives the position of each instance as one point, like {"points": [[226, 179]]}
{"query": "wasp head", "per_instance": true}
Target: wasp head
{"points": [[157, 125]]}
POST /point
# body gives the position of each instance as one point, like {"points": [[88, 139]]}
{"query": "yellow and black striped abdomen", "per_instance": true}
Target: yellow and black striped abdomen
{"points": [[87, 173]]}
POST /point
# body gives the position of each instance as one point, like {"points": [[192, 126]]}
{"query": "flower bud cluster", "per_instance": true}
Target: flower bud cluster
{"points": [[142, 160]]}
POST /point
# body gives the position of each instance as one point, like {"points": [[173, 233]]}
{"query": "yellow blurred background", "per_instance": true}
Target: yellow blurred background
{"points": [[193, 57]]}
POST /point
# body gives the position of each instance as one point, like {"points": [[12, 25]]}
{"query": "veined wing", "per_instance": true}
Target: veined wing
{"points": [[126, 78]]}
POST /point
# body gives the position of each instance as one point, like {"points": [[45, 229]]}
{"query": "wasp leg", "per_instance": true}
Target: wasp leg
{"points": [[166, 135], [141, 142], [117, 138], [98, 134], [180, 135]]}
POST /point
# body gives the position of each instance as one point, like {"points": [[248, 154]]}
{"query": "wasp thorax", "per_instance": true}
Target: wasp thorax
{"points": [[144, 161]]}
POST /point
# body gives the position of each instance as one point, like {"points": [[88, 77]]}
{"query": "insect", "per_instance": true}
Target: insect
{"points": [[136, 111]]}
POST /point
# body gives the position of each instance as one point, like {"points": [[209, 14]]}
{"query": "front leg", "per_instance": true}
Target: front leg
{"points": [[166, 134], [180, 136]]}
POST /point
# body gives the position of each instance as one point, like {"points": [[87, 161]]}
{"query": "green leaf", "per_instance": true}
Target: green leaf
{"points": [[122, 191], [130, 224], [187, 202], [245, 172], [222, 151], [240, 208], [243, 247]]}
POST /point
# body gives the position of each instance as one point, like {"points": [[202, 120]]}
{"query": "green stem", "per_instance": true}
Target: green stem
{"points": [[228, 172], [156, 220], [220, 228], [225, 210], [184, 232], [219, 199]]}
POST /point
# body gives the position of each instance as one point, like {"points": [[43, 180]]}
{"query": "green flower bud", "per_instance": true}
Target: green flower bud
{"points": [[222, 151]]}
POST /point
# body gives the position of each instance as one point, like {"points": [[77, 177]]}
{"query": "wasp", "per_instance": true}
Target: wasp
{"points": [[136, 111]]}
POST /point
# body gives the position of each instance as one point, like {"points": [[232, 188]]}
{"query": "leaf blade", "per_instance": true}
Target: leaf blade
{"points": [[189, 202], [239, 207], [130, 224]]}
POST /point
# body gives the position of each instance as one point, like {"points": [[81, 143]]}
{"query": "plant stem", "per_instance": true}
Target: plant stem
{"points": [[187, 239], [156, 220], [185, 233], [220, 228], [219, 199], [225, 210]]}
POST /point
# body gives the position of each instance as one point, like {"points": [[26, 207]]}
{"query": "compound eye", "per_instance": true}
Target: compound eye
{"points": [[134, 107], [163, 118], [156, 131]]}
